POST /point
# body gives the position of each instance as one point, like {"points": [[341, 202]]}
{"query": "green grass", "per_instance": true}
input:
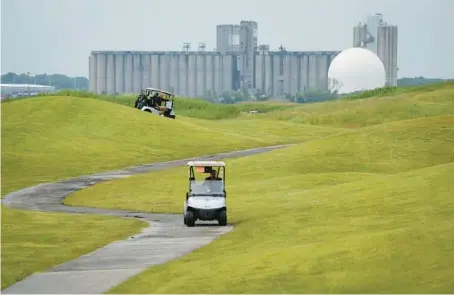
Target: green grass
{"points": [[188, 107], [50, 138], [387, 91], [369, 211], [390, 234], [367, 112], [34, 241], [40, 134], [383, 149]]}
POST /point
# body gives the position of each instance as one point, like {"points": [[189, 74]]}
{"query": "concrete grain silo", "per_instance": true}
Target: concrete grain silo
{"points": [[110, 73], [119, 73], [128, 72], [101, 73], [209, 85], [387, 52], [92, 73], [200, 74], [380, 38], [174, 72]]}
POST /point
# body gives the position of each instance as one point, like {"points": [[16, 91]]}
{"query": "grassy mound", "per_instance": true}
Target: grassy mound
{"points": [[87, 135], [44, 139], [389, 148], [388, 91], [348, 213], [366, 112], [196, 108], [51, 138], [390, 234]]}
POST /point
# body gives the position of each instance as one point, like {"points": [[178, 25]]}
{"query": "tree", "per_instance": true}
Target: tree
{"points": [[241, 96], [313, 96], [417, 81], [334, 85], [210, 96], [290, 97]]}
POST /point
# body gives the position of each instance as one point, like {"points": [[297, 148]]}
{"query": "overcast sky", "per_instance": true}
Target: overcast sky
{"points": [[56, 36]]}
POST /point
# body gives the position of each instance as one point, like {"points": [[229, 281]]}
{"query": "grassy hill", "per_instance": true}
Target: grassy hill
{"points": [[51, 138], [77, 131], [373, 177], [366, 211], [328, 233], [355, 112]]}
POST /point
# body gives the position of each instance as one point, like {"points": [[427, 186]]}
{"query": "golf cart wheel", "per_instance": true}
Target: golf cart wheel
{"points": [[148, 111], [190, 219], [223, 218]]}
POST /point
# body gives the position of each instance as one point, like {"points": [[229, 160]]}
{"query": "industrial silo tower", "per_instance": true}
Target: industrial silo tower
{"points": [[380, 38], [241, 40], [227, 38], [248, 48]]}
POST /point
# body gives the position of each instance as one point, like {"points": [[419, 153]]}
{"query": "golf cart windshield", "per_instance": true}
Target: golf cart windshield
{"points": [[207, 187]]}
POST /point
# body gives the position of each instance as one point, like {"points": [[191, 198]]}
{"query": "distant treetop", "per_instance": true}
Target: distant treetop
{"points": [[57, 80]]}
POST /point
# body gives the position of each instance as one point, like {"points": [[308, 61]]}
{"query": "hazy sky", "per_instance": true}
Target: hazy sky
{"points": [[56, 36]]}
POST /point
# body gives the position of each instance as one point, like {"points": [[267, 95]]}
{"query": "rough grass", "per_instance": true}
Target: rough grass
{"points": [[387, 91], [367, 112], [88, 135], [50, 138], [196, 108], [44, 140], [366, 212], [34, 241], [384, 149]]}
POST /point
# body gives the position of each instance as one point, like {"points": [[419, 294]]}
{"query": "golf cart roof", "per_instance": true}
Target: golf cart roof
{"points": [[206, 163], [159, 90]]}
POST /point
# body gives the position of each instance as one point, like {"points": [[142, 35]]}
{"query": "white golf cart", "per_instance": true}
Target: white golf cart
{"points": [[205, 199], [156, 101]]}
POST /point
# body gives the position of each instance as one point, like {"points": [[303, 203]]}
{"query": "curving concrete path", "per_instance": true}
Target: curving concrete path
{"points": [[165, 239]]}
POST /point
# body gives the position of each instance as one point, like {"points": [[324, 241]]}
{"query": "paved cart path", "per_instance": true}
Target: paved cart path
{"points": [[165, 239]]}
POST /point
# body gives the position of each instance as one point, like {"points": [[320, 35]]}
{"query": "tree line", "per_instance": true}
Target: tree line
{"points": [[59, 81]]}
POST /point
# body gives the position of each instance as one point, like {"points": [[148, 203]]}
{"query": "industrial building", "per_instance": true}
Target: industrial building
{"points": [[238, 62], [381, 38], [200, 74], [290, 72], [191, 74]]}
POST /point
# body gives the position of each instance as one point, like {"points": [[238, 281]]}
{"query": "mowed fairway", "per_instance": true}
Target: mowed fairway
{"points": [[52, 138], [367, 211]]}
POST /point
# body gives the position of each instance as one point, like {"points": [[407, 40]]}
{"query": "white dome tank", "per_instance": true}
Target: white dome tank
{"points": [[356, 69]]}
